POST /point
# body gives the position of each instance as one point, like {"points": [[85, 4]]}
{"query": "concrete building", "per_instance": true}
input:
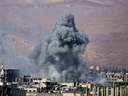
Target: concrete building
{"points": [[29, 86], [93, 68], [6, 88], [114, 77], [11, 74], [10, 90], [98, 68], [108, 69]]}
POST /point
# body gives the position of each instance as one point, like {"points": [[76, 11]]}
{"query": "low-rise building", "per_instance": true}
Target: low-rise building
{"points": [[114, 77]]}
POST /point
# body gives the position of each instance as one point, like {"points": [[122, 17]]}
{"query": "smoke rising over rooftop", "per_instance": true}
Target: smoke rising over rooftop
{"points": [[58, 55]]}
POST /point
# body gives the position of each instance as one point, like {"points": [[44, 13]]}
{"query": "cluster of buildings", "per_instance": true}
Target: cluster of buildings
{"points": [[11, 84], [106, 69], [114, 77]]}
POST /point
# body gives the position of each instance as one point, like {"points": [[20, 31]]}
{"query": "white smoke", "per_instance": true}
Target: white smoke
{"points": [[58, 55]]}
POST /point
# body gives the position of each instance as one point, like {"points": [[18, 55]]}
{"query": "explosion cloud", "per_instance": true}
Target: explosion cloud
{"points": [[58, 55]]}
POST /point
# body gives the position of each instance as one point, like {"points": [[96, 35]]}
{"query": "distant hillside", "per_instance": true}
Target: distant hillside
{"points": [[111, 2], [23, 26], [67, 2]]}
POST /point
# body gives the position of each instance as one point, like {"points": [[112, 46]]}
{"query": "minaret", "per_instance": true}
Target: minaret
{"points": [[121, 69], [2, 73]]}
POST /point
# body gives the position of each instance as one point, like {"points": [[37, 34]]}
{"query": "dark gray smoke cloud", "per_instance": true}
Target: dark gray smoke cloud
{"points": [[58, 55]]}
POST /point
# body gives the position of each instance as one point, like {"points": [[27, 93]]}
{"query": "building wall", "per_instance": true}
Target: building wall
{"points": [[16, 92], [68, 84], [43, 94], [11, 74], [31, 94], [78, 94], [68, 94], [114, 77], [19, 93], [31, 89]]}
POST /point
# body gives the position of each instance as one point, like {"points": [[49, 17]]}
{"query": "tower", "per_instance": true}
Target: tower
{"points": [[2, 73]]}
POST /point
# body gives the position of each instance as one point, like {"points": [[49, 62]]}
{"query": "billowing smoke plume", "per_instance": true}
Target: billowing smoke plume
{"points": [[58, 55]]}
